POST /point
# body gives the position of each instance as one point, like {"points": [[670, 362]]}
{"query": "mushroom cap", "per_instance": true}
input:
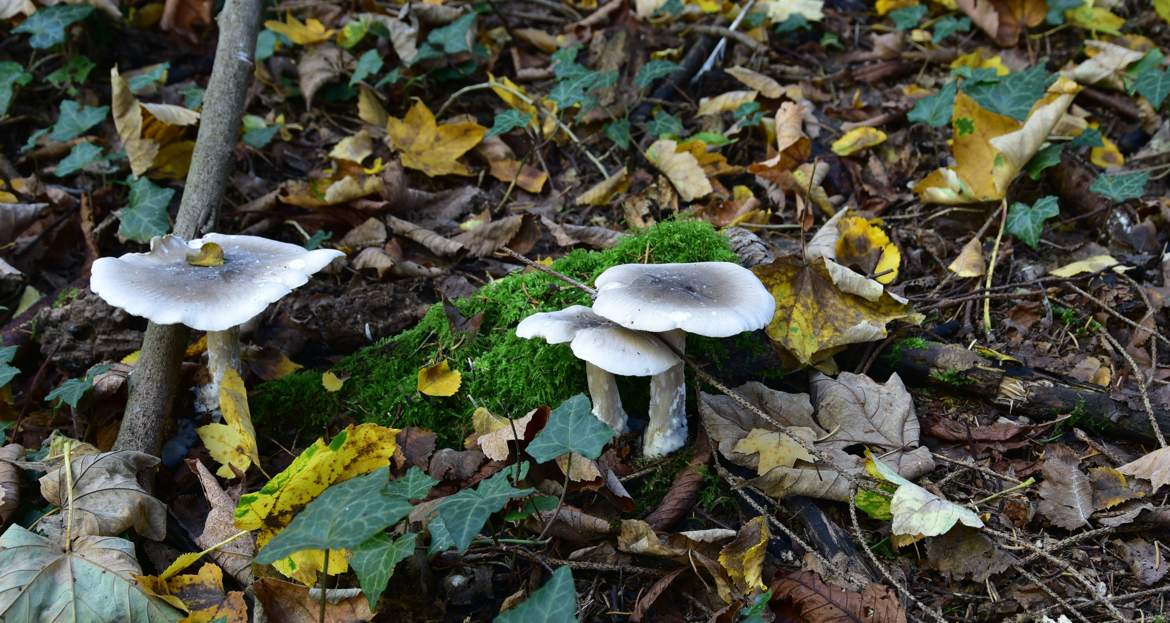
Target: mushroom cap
{"points": [[161, 286], [601, 342], [715, 299]]}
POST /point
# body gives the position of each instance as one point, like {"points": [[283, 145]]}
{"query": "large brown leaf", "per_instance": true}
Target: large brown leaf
{"points": [[9, 481], [1066, 494], [107, 498], [804, 596]]}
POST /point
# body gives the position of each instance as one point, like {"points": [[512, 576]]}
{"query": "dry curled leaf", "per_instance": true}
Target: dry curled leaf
{"points": [[107, 496], [292, 603], [681, 168], [9, 481], [318, 66], [517, 232], [1066, 497], [804, 596], [234, 557], [1154, 467]]}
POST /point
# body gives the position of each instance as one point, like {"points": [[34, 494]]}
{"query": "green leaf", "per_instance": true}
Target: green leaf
{"points": [[654, 70], [81, 156], [508, 120], [948, 26], [369, 64], [935, 110], [11, 74], [7, 370], [454, 38], [391, 77], [1044, 159], [1057, 9], [72, 391], [567, 54], [748, 113], [576, 86], [713, 139], [148, 80], [618, 131], [1152, 60], [531, 506], [353, 32], [74, 71], [47, 26], [465, 513], [265, 45], [571, 427], [146, 215], [1014, 94], [374, 560], [92, 581], [555, 602], [192, 97], [795, 22], [875, 504], [1026, 222], [664, 124], [1154, 85], [1089, 137], [1121, 186], [260, 137], [74, 119], [906, 18], [347, 514]]}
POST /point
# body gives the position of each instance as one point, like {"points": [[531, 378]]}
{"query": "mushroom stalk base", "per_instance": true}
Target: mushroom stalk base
{"points": [[667, 430], [607, 403], [223, 353]]}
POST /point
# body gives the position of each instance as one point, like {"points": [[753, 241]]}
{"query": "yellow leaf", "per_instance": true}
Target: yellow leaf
{"points": [[328, 192], [301, 33], [767, 87], [780, 10], [1096, 19], [604, 191], [743, 557], [354, 148], [775, 449], [233, 443], [354, 451], [439, 380], [682, 169], [182, 562], [370, 108], [132, 358], [713, 163], [970, 262], [1162, 8], [527, 177], [980, 59], [147, 129], [1094, 264], [1107, 156], [431, 148], [885, 6], [866, 246], [858, 139], [201, 595], [494, 441], [331, 382], [726, 102]]}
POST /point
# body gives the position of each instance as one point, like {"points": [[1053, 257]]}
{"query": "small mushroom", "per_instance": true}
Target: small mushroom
{"points": [[713, 299], [213, 284], [607, 349]]}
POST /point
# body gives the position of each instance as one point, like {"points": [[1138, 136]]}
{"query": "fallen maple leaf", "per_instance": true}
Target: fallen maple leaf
{"points": [[307, 32], [201, 595], [681, 168], [433, 149], [106, 497]]}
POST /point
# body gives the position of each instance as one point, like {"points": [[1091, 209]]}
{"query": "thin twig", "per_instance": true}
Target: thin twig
{"points": [[1141, 383], [1112, 312], [991, 268]]}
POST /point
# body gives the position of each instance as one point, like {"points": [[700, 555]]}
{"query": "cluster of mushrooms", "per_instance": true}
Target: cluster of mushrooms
{"points": [[636, 327]]}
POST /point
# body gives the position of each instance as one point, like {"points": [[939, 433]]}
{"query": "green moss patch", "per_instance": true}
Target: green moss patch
{"points": [[501, 372]]}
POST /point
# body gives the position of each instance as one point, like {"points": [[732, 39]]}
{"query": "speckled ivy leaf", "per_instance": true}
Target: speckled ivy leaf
{"points": [[11, 74], [81, 156], [935, 110], [146, 215], [47, 26], [347, 514], [618, 131], [1154, 85], [73, 390], [571, 427], [369, 64], [465, 513], [555, 602], [664, 124], [1026, 222], [7, 370], [1121, 186], [906, 18], [374, 560], [454, 38], [654, 70], [1014, 94], [948, 26], [145, 82], [74, 119], [508, 120]]}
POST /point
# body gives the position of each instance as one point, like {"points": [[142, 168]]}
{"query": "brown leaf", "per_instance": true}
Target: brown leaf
{"points": [[683, 492], [319, 65], [107, 497], [414, 447], [9, 480], [291, 603], [567, 235], [517, 232], [182, 16], [455, 465], [650, 595], [804, 596], [966, 552], [1066, 494], [1148, 564], [1111, 487], [1154, 467], [433, 242], [371, 233], [235, 557], [15, 217], [573, 524]]}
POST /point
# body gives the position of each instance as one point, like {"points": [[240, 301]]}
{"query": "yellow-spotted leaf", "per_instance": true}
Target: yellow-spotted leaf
{"points": [[201, 595], [681, 168], [331, 382], [307, 32], [233, 443], [743, 557], [439, 380], [858, 139], [866, 247], [1107, 156], [354, 451], [433, 149]]}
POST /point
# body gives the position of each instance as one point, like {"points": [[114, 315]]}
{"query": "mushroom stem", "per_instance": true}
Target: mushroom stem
{"points": [[223, 352], [667, 430], [607, 404]]}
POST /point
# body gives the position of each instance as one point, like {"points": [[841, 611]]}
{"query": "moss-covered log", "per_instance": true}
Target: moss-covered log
{"points": [[501, 372]]}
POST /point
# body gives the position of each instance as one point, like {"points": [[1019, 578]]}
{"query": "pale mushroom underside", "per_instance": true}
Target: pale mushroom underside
{"points": [[601, 342]]}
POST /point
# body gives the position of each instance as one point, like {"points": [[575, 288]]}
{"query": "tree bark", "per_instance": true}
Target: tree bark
{"points": [[156, 375]]}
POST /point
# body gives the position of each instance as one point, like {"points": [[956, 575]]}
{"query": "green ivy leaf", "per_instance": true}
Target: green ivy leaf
{"points": [[349, 513], [7, 370], [152, 78], [1057, 9], [192, 97], [465, 513], [748, 113], [81, 156], [374, 560], [948, 26], [1090, 137], [664, 124], [1026, 222], [1014, 94], [1044, 159], [713, 139], [906, 18], [1154, 85], [508, 120], [795, 22], [11, 74], [73, 390], [265, 45], [935, 110], [47, 26], [454, 38], [74, 71], [74, 119], [576, 87], [654, 70], [571, 427], [146, 215], [369, 64], [1121, 186], [618, 131], [555, 602]]}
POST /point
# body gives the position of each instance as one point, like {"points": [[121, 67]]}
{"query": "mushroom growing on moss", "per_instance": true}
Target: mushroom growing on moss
{"points": [[712, 299], [213, 284], [607, 349]]}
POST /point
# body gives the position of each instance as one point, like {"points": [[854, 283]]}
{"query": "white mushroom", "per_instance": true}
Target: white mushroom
{"points": [[607, 349], [713, 299], [213, 284]]}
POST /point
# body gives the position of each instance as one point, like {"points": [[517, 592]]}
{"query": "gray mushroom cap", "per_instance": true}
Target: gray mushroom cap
{"points": [[162, 286], [714, 299], [600, 342]]}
